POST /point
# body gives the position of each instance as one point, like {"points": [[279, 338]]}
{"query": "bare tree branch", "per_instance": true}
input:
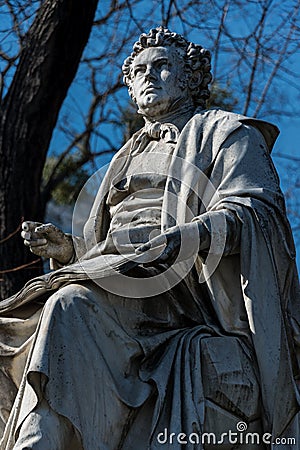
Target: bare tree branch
{"points": [[219, 34], [281, 58], [261, 26]]}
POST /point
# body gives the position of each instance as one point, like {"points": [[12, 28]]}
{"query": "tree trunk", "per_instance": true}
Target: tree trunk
{"points": [[52, 50]]}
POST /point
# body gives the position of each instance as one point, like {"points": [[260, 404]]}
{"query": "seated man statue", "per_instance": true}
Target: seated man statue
{"points": [[173, 322]]}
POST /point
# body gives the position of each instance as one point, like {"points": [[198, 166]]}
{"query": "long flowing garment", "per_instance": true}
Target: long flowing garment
{"points": [[128, 371]]}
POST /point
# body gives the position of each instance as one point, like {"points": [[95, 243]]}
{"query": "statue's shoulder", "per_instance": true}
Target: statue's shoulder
{"points": [[218, 117], [218, 121]]}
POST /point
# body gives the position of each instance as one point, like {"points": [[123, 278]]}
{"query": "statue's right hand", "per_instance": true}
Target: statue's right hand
{"points": [[48, 241]]}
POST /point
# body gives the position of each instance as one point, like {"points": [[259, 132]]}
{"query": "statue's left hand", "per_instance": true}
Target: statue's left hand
{"points": [[181, 242]]}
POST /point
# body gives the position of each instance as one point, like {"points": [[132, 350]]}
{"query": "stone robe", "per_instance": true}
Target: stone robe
{"points": [[241, 294]]}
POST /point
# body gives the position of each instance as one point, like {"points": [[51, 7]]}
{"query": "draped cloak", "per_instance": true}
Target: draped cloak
{"points": [[260, 278]]}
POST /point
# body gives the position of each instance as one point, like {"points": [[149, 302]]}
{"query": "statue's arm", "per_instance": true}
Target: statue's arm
{"points": [[184, 241], [223, 227], [243, 176]]}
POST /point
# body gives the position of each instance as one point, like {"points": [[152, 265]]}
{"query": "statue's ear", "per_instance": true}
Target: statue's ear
{"points": [[195, 80]]}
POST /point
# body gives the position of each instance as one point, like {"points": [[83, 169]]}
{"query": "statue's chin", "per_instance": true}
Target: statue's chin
{"points": [[153, 107], [157, 108]]}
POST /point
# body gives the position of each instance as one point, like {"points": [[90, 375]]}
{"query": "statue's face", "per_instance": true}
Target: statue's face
{"points": [[158, 76]]}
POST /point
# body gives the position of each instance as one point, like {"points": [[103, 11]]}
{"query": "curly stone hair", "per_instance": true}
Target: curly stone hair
{"points": [[196, 59]]}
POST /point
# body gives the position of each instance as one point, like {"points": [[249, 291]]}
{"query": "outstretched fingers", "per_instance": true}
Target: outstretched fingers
{"points": [[35, 242], [32, 240]]}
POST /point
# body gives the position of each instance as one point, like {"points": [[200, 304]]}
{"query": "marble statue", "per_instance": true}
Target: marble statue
{"points": [[173, 322]]}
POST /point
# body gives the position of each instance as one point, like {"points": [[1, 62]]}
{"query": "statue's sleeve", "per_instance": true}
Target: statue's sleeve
{"points": [[231, 230]]}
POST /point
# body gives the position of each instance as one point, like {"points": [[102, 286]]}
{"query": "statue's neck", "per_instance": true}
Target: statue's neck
{"points": [[178, 115]]}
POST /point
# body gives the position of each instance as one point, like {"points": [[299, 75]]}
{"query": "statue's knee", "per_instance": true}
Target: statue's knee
{"points": [[67, 297]]}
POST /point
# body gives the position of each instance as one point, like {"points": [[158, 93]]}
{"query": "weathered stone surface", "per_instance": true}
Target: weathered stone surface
{"points": [[229, 377], [176, 311]]}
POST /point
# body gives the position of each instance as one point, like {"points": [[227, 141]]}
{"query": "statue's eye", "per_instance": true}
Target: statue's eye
{"points": [[138, 70]]}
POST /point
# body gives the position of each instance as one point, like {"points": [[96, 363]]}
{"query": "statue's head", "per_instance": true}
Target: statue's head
{"points": [[164, 70]]}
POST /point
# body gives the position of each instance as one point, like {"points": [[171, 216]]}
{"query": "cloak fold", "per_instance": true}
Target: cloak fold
{"points": [[223, 158]]}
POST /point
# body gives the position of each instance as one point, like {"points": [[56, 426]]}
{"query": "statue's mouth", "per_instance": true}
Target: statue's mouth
{"points": [[150, 89]]}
